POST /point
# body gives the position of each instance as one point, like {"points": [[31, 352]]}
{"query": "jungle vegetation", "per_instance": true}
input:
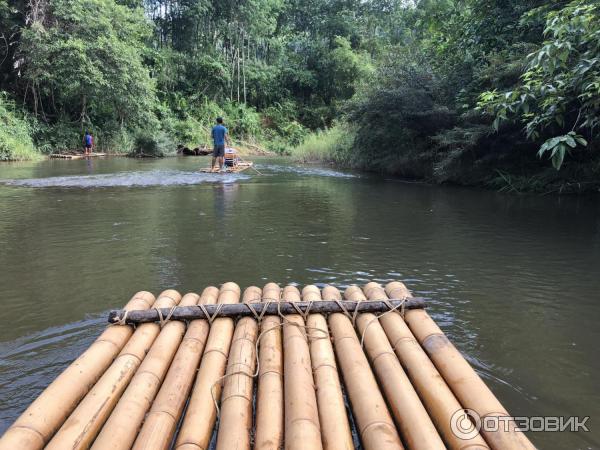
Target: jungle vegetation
{"points": [[503, 93]]}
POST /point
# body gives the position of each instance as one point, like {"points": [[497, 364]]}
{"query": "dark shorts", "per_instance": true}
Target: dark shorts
{"points": [[219, 150]]}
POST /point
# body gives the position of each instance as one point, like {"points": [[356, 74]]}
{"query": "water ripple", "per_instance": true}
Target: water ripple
{"points": [[128, 179], [303, 170]]}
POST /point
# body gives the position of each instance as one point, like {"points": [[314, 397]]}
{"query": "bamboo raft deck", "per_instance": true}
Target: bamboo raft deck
{"points": [[239, 167], [266, 369], [76, 155]]}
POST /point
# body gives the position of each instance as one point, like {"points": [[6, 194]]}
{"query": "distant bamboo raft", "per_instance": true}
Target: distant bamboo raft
{"points": [[76, 155], [276, 366]]}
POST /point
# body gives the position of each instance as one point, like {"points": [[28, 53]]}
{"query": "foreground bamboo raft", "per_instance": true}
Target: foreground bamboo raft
{"points": [[267, 369]]}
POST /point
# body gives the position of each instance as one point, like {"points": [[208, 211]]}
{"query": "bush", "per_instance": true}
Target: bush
{"points": [[191, 133], [334, 144], [122, 141], [396, 117], [242, 121], [148, 143], [60, 136], [15, 134], [281, 125]]}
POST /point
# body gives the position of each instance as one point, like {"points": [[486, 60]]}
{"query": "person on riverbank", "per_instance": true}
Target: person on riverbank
{"points": [[88, 143], [220, 136]]}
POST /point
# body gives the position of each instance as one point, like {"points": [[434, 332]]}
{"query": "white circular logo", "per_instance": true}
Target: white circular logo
{"points": [[465, 424]]}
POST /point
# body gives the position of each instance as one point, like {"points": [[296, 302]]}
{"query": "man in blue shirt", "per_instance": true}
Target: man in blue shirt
{"points": [[220, 137], [88, 143]]}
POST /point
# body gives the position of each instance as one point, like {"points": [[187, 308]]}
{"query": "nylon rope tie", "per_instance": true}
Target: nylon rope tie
{"points": [[344, 309], [355, 313], [259, 318], [207, 316], [121, 320], [163, 320], [391, 308], [297, 325]]}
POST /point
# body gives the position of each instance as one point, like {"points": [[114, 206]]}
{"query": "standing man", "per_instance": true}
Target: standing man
{"points": [[220, 137], [88, 142]]}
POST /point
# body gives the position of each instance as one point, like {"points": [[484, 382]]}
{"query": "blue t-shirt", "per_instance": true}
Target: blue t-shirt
{"points": [[218, 134], [88, 140]]}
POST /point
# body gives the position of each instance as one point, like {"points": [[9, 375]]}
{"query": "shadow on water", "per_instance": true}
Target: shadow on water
{"points": [[513, 280]]}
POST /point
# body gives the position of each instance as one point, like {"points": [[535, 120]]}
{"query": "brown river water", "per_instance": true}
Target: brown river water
{"points": [[514, 281]]}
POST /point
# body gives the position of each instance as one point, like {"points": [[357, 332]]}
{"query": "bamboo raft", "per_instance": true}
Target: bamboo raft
{"points": [[266, 369], [76, 155], [239, 167]]}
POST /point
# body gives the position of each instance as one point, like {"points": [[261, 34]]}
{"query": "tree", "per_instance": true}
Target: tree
{"points": [[559, 94], [84, 59]]}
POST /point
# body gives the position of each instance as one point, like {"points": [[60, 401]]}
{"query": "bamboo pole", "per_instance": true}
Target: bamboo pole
{"points": [[159, 427], [201, 414], [302, 429], [335, 428], [82, 426], [270, 308], [123, 425], [435, 394], [468, 387], [34, 428], [235, 423], [269, 398], [413, 422], [375, 425]]}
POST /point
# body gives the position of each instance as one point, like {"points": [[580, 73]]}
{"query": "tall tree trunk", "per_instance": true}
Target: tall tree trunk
{"points": [[244, 70], [237, 57]]}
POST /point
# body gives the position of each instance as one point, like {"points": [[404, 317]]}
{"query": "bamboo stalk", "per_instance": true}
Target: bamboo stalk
{"points": [[235, 423], [412, 420], [34, 428], [82, 426], [201, 413], [159, 428], [302, 428], [123, 425], [375, 425], [244, 310], [269, 398], [335, 428], [435, 394], [468, 387]]}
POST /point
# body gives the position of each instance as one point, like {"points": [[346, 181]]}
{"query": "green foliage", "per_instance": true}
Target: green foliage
{"points": [[438, 90], [334, 144], [279, 122], [395, 117], [148, 143], [558, 146], [122, 141], [191, 133], [15, 134], [84, 69], [560, 91]]}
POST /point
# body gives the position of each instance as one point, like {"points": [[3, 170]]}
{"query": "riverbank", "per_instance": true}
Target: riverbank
{"points": [[501, 162]]}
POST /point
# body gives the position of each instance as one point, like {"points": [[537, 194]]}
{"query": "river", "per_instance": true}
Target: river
{"points": [[513, 280]]}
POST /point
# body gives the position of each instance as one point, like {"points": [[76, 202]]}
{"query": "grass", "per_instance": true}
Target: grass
{"points": [[331, 145]]}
